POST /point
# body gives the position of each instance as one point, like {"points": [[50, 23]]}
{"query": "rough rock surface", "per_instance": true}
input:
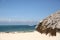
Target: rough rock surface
{"points": [[50, 25]]}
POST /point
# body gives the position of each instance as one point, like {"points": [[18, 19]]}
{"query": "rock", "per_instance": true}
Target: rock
{"points": [[50, 25]]}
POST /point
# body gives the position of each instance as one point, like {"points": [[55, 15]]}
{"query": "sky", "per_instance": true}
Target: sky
{"points": [[27, 10]]}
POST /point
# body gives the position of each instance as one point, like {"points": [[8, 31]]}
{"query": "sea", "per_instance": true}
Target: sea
{"points": [[17, 28]]}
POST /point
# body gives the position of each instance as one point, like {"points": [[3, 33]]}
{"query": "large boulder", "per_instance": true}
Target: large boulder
{"points": [[50, 25]]}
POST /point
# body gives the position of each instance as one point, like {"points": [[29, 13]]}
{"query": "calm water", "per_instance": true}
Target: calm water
{"points": [[16, 28]]}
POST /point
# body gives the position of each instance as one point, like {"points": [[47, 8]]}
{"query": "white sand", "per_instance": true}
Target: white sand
{"points": [[27, 36]]}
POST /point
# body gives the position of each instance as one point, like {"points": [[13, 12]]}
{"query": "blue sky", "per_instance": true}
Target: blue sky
{"points": [[27, 10]]}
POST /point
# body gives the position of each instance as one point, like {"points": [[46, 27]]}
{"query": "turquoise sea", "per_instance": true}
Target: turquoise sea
{"points": [[17, 28]]}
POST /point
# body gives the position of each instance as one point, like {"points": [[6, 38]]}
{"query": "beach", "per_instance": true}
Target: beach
{"points": [[27, 36]]}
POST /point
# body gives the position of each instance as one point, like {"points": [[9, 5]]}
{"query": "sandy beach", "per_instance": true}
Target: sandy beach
{"points": [[28, 36]]}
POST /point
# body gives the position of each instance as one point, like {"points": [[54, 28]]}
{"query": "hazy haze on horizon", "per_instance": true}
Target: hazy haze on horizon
{"points": [[27, 10]]}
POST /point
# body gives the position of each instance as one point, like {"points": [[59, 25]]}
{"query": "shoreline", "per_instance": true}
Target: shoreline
{"points": [[20, 31]]}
